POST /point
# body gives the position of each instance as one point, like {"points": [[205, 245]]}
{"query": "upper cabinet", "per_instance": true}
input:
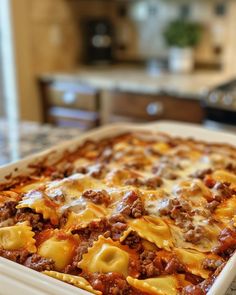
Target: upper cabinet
{"points": [[50, 11]]}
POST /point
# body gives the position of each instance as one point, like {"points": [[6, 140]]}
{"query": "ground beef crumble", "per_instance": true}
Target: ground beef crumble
{"points": [[200, 286], [212, 205], [151, 183], [116, 229], [206, 284], [111, 284], [18, 256], [182, 214], [8, 210], [174, 266], [201, 173], [227, 242], [194, 279], [195, 235], [211, 264], [97, 197], [64, 218], [134, 165], [150, 265], [177, 209], [221, 191], [135, 181], [154, 265], [39, 263], [35, 220], [65, 170], [80, 251], [133, 241], [174, 207], [112, 227], [231, 167], [131, 205], [97, 171], [93, 230]]}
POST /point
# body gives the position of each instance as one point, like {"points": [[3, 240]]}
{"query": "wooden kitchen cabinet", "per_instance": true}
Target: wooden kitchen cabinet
{"points": [[74, 104], [140, 108], [69, 104]]}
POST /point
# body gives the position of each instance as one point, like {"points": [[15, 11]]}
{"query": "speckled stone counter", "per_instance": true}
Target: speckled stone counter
{"points": [[232, 289], [35, 138], [31, 138]]}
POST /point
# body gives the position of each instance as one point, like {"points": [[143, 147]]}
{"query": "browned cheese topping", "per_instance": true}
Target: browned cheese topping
{"points": [[135, 214]]}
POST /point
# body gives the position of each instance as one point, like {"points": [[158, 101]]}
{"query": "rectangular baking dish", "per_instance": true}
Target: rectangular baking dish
{"points": [[17, 279]]}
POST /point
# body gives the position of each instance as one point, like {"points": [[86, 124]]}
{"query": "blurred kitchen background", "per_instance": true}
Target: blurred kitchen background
{"points": [[71, 65]]}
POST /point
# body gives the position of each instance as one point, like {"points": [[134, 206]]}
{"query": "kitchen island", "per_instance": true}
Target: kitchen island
{"points": [[159, 95], [138, 79]]}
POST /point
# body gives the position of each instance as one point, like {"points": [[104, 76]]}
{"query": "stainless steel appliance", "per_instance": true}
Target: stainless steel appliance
{"points": [[98, 41], [220, 107]]}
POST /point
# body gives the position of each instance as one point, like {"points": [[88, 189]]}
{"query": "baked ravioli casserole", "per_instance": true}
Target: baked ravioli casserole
{"points": [[139, 213]]}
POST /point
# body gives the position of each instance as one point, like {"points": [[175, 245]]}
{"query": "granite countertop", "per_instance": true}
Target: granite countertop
{"points": [[30, 138], [232, 289], [135, 79], [34, 137]]}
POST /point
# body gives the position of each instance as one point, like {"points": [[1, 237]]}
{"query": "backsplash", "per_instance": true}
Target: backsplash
{"points": [[146, 21]]}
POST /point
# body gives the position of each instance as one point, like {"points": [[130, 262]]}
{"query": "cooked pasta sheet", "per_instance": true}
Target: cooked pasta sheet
{"points": [[139, 213]]}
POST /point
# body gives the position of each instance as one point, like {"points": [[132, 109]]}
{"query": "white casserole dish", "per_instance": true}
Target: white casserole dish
{"points": [[17, 279]]}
